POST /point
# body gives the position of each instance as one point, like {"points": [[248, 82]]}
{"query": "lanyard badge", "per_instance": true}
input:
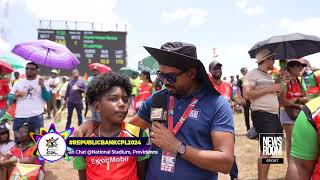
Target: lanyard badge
{"points": [[168, 159]]}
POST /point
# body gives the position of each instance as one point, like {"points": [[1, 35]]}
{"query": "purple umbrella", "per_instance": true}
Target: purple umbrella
{"points": [[47, 53]]}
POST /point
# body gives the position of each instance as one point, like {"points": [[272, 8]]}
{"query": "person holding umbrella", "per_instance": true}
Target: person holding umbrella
{"points": [[292, 99], [259, 88], [29, 95]]}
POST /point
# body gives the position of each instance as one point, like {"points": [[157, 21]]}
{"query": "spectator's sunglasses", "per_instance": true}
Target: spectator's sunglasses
{"points": [[31, 69], [170, 77], [217, 68]]}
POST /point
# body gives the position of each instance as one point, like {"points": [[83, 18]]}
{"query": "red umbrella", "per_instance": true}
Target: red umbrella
{"points": [[100, 67], [5, 67]]}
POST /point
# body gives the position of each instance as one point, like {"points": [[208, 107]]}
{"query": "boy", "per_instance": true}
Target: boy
{"points": [[109, 95]]}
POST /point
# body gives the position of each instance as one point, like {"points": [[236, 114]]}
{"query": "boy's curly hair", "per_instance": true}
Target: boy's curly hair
{"points": [[103, 83]]}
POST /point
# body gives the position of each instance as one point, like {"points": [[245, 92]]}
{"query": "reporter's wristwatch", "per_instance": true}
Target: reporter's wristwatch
{"points": [[181, 149]]}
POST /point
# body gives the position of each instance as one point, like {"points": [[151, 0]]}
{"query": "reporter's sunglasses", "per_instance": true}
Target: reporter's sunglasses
{"points": [[171, 77]]}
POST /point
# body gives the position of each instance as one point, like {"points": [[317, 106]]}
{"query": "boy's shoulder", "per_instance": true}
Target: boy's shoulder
{"points": [[133, 130]]}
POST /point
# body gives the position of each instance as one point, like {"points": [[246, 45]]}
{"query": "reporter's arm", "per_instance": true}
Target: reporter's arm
{"points": [[138, 121], [219, 159]]}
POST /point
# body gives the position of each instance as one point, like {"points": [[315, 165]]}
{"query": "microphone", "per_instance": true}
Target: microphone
{"points": [[158, 108]]}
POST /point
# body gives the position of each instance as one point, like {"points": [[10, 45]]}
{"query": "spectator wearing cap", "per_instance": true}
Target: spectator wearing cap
{"points": [[225, 89], [62, 88], [16, 78], [95, 72], [293, 98], [53, 84], [5, 145], [23, 152], [204, 144], [29, 94], [259, 88]]}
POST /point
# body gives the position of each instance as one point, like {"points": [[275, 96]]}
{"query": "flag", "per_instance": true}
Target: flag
{"points": [[25, 172], [10, 113]]}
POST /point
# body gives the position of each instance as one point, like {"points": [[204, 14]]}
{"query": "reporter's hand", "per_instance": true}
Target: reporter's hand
{"points": [[86, 128], [163, 138], [277, 88]]}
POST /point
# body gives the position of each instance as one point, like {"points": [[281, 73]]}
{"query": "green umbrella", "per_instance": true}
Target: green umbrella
{"points": [[128, 71], [149, 64], [15, 63]]}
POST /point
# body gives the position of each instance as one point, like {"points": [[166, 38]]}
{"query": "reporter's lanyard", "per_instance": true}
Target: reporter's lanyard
{"points": [[184, 116]]}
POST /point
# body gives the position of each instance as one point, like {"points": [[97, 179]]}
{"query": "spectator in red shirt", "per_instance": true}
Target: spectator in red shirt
{"points": [[145, 89], [225, 89], [4, 91]]}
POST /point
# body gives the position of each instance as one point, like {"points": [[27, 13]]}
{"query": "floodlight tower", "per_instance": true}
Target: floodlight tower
{"points": [[214, 54], [5, 20]]}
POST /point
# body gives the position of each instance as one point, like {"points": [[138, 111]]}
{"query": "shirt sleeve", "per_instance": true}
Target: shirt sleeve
{"points": [[223, 118], [147, 156], [144, 110], [82, 86], [79, 163], [67, 91], [249, 80], [304, 139]]}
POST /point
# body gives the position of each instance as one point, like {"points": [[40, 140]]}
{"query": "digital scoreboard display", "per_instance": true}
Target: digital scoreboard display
{"points": [[107, 48]]}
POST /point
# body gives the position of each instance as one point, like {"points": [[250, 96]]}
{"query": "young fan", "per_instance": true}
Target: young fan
{"points": [[109, 95]]}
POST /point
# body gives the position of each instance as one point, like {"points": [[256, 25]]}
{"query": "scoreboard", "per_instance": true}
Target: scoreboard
{"points": [[107, 48]]}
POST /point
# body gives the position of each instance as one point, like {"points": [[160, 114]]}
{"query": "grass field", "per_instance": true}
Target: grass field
{"points": [[246, 152]]}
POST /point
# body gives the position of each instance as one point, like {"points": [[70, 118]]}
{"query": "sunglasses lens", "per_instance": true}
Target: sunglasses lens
{"points": [[171, 78]]}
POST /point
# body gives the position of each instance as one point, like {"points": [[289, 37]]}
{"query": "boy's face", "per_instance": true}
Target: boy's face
{"points": [[114, 105]]}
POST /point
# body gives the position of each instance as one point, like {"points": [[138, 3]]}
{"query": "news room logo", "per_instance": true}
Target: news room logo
{"points": [[272, 148], [52, 145]]}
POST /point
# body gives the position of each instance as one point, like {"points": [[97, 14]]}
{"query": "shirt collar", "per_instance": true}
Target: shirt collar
{"points": [[199, 93]]}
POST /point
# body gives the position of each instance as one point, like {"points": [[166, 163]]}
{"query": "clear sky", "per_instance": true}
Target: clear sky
{"points": [[231, 26]]}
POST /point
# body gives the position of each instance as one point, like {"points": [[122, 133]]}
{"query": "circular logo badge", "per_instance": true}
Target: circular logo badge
{"points": [[52, 146]]}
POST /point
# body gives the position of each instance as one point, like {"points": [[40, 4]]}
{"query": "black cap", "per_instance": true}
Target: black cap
{"points": [[3, 128], [214, 64]]}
